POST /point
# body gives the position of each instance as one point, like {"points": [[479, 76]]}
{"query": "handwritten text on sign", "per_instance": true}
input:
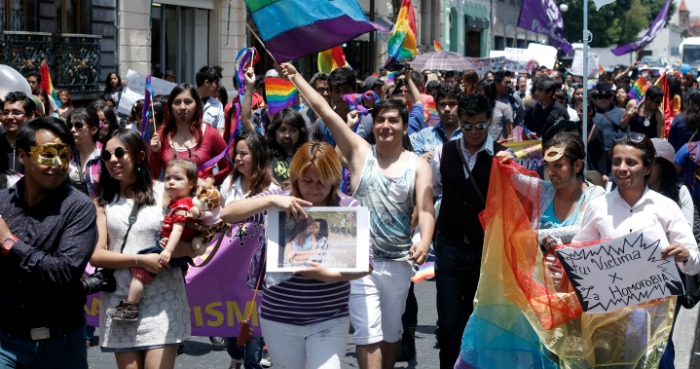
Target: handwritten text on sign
{"points": [[622, 272]]}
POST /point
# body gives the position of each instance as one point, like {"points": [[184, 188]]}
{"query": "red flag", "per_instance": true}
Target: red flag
{"points": [[666, 104]]}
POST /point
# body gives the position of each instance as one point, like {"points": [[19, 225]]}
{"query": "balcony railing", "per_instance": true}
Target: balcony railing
{"points": [[74, 60]]}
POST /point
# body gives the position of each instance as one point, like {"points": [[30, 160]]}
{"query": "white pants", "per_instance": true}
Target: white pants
{"points": [[314, 346], [378, 300]]}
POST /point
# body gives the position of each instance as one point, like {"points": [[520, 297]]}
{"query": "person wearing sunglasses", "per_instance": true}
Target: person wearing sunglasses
{"points": [[84, 170], [461, 172], [17, 110], [633, 207], [126, 187], [646, 117], [48, 232], [607, 116]]}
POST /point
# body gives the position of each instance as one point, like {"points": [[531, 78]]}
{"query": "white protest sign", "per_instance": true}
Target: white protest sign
{"points": [[519, 60], [484, 65], [496, 53], [593, 61], [622, 272], [136, 87], [543, 54]]}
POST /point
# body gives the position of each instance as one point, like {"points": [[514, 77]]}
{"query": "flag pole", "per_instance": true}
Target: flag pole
{"points": [[153, 114], [242, 18], [587, 36]]}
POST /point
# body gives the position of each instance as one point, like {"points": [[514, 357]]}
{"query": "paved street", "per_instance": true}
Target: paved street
{"points": [[199, 354]]}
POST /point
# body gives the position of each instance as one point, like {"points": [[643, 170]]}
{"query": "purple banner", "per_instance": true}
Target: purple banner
{"points": [[218, 294], [543, 17], [649, 35]]}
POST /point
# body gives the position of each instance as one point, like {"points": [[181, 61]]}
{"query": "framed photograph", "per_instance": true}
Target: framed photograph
{"points": [[336, 237]]}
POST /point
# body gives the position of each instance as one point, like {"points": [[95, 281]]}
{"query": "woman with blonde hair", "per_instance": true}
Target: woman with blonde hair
{"points": [[304, 319]]}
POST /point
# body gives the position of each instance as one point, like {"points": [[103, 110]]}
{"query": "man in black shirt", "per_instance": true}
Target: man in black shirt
{"points": [[48, 234], [541, 116]]}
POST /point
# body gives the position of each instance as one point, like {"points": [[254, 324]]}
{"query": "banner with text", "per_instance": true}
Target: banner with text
{"points": [[220, 294], [593, 61], [543, 17], [622, 272]]}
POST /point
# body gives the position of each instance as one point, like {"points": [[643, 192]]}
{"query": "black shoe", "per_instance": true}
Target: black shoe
{"points": [[408, 351], [180, 348], [217, 342]]}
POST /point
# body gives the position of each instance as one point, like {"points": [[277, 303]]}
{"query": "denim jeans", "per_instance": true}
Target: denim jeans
{"points": [[65, 352], [456, 278], [251, 353]]}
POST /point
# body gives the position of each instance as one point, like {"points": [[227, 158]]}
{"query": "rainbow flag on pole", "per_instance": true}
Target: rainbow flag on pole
{"points": [[280, 93], [437, 45], [332, 59], [47, 84], [403, 39], [291, 29], [639, 88]]}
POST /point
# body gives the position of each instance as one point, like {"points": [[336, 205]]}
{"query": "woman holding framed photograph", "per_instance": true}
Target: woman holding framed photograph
{"points": [[308, 332]]}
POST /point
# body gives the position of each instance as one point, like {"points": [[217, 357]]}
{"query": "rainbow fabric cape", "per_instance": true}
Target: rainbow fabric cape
{"points": [[402, 44], [639, 88], [425, 271], [291, 29], [522, 319], [47, 84], [280, 93], [332, 59]]}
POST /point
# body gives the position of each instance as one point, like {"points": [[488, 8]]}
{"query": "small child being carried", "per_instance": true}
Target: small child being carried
{"points": [[180, 184]]}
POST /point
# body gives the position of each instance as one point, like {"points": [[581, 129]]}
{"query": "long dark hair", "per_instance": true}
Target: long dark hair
{"points": [[108, 87], [169, 117], [261, 177], [323, 232], [295, 120], [142, 189], [691, 110], [110, 117], [669, 180]]}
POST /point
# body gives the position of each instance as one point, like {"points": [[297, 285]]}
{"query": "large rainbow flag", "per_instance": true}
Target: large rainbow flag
{"points": [[280, 94], [332, 59], [640, 87], [291, 29], [402, 44], [523, 319]]}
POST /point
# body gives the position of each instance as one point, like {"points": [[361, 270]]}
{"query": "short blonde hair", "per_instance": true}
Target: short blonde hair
{"points": [[324, 158]]}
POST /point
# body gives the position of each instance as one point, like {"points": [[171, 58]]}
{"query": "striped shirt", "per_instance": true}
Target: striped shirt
{"points": [[301, 300]]}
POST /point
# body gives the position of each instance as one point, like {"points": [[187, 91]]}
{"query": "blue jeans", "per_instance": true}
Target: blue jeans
{"points": [[456, 278], [66, 352], [251, 353]]}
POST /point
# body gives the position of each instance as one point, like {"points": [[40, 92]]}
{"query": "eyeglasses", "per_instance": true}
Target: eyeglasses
{"points": [[78, 125], [51, 154], [119, 153], [14, 113], [323, 90], [479, 126], [635, 137]]}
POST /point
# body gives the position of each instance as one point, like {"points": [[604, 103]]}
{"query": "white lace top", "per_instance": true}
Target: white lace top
{"points": [[163, 311]]}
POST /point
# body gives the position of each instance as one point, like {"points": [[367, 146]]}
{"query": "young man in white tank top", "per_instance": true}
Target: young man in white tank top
{"points": [[403, 182]]}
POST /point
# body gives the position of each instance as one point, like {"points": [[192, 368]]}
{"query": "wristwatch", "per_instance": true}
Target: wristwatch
{"points": [[7, 244]]}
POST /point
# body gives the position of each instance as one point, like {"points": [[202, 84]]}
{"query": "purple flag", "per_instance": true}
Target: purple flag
{"points": [[146, 112], [543, 17], [649, 35]]}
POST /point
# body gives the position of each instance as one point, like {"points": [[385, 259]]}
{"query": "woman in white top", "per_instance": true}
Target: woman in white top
{"points": [[125, 182]]}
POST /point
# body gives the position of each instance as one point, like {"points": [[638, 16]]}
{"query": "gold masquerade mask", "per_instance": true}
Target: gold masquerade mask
{"points": [[554, 153], [51, 154]]}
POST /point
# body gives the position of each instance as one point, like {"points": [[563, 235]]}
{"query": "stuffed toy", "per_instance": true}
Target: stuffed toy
{"points": [[207, 201]]}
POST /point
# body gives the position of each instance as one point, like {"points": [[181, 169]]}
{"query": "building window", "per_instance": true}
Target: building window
{"points": [[75, 16], [19, 15], [498, 43]]}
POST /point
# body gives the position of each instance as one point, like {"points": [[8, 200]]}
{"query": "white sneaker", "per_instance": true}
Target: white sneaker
{"points": [[265, 361]]}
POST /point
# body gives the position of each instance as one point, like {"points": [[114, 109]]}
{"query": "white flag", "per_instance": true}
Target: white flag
{"points": [[601, 3]]}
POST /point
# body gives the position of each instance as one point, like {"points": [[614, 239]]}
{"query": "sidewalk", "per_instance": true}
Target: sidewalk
{"points": [[686, 340]]}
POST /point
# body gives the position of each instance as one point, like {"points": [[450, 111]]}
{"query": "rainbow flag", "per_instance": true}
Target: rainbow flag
{"points": [[243, 61], [639, 88], [432, 116], [391, 77], [280, 93], [291, 29], [47, 84], [437, 45], [402, 44], [425, 271], [332, 59], [146, 111]]}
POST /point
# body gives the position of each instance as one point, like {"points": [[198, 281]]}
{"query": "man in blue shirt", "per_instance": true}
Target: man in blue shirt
{"points": [[425, 140]]}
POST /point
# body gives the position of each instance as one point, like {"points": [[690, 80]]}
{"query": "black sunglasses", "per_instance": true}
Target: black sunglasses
{"points": [[119, 153], [479, 126], [635, 137], [78, 125]]}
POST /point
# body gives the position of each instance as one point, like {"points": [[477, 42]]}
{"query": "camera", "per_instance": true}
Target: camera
{"points": [[101, 281]]}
